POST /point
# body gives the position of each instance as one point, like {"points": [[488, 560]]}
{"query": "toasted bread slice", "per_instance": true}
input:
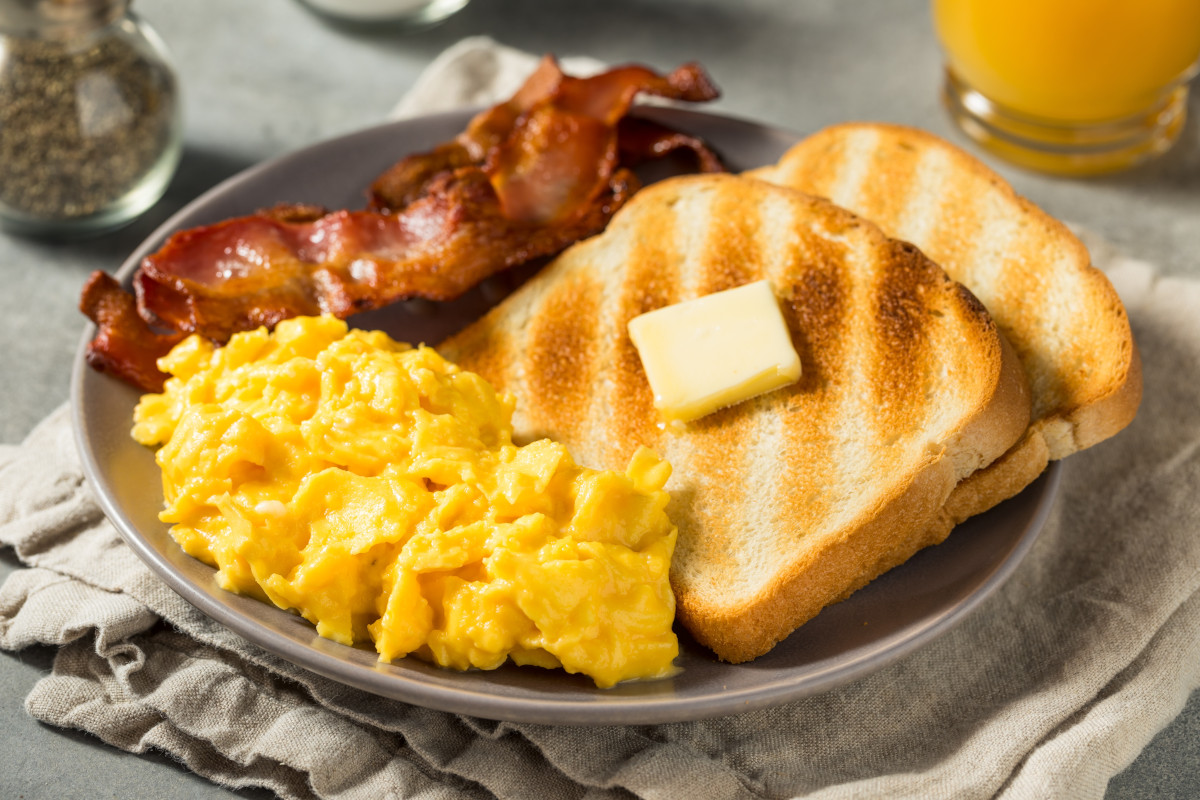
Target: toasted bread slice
{"points": [[1035, 277], [792, 500]]}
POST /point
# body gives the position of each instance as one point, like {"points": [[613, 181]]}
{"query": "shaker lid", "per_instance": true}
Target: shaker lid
{"points": [[58, 17]]}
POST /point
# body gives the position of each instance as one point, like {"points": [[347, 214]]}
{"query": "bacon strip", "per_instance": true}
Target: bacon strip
{"points": [[206, 280], [640, 140], [125, 345], [527, 178], [551, 147]]}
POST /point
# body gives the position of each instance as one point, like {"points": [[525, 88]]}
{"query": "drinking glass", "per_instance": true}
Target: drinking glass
{"points": [[1069, 86]]}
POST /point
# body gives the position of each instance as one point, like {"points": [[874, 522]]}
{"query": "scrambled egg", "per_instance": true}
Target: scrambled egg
{"points": [[374, 488]]}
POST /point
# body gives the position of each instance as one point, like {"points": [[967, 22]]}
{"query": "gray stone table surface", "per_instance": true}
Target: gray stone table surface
{"points": [[265, 77]]}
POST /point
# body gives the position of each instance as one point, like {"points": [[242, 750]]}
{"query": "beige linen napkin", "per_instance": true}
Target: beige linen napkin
{"points": [[1047, 690]]}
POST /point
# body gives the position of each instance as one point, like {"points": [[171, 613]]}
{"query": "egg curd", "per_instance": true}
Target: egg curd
{"points": [[374, 488]]}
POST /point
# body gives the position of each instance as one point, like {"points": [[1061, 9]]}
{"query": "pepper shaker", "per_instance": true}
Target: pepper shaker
{"points": [[90, 129]]}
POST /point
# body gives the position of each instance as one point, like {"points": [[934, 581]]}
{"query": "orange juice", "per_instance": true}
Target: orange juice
{"points": [[1071, 60]]}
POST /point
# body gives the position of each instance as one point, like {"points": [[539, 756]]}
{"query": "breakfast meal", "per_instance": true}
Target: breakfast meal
{"points": [[526, 178], [792, 500], [374, 488], [1060, 313], [738, 397]]}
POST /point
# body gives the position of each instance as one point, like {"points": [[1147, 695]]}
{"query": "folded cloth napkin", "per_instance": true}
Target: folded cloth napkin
{"points": [[1047, 690]]}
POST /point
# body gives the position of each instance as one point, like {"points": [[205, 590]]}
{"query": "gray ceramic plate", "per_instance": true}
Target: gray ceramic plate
{"points": [[892, 616]]}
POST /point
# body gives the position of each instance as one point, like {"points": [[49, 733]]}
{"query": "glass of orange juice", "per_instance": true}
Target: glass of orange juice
{"points": [[1069, 86]]}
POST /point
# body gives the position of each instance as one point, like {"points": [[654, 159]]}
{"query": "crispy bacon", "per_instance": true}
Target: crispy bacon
{"points": [[345, 262], [125, 345], [551, 147], [640, 140], [527, 178]]}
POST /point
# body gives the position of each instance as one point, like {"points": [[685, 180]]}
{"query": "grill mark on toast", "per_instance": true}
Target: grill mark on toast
{"points": [[884, 184], [903, 358], [732, 246], [561, 352], [944, 217], [819, 170], [815, 309], [854, 170], [856, 446], [650, 281]]}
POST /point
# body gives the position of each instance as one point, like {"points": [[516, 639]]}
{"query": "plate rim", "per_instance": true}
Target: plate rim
{"points": [[614, 709]]}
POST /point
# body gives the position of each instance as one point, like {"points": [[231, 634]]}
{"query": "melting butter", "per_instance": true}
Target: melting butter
{"points": [[715, 351]]}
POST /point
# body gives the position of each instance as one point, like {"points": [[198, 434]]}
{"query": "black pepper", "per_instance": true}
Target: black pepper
{"points": [[85, 123]]}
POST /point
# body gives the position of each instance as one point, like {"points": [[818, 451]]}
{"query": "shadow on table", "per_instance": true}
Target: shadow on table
{"points": [[199, 170]]}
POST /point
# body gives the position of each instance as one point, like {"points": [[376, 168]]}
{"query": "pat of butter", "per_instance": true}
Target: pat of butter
{"points": [[715, 351]]}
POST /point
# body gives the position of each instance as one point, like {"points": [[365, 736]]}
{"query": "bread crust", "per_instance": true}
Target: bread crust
{"points": [[793, 500]]}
